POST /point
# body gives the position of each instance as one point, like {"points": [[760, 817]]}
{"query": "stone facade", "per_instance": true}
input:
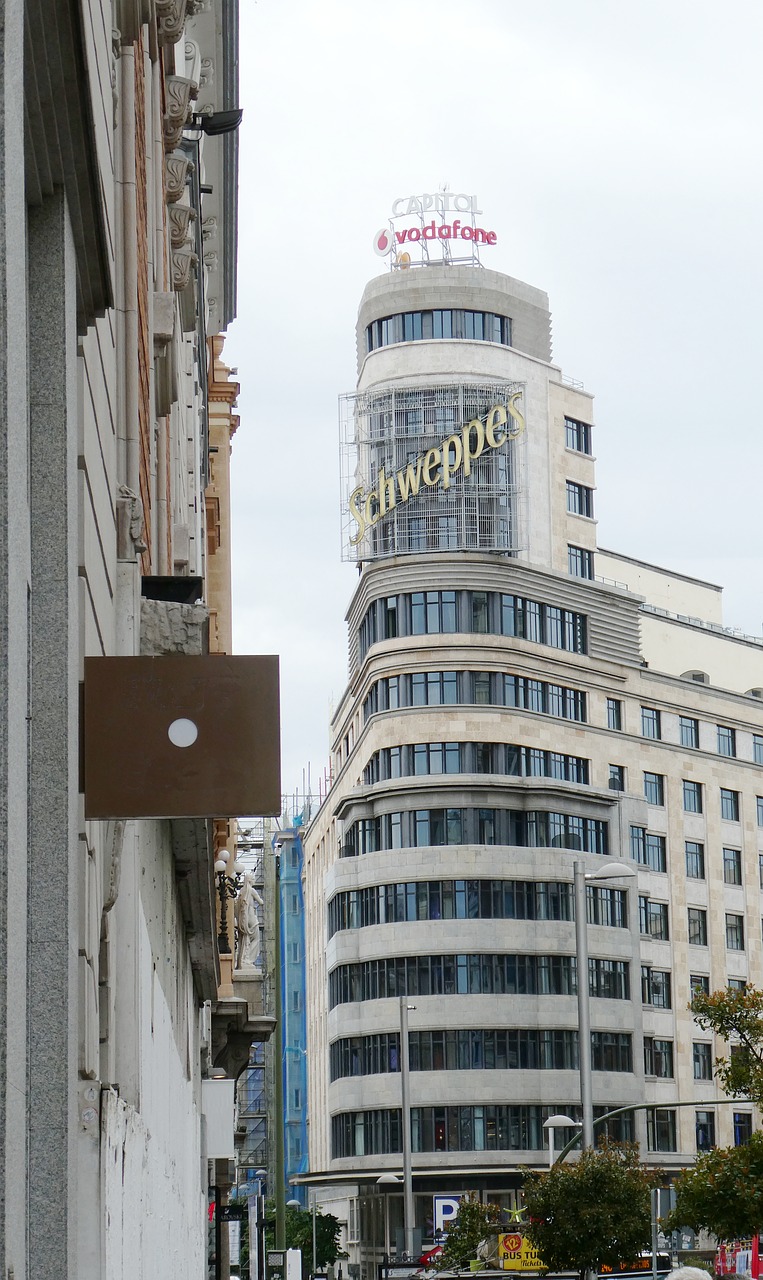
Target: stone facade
{"points": [[107, 929]]}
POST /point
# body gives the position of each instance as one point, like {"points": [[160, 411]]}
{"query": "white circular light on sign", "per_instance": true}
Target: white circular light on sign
{"points": [[182, 733]]}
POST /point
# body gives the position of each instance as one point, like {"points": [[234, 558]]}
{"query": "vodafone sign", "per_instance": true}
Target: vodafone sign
{"points": [[443, 203], [387, 241]]}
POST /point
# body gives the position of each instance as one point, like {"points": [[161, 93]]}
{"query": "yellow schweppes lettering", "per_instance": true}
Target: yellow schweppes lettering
{"points": [[437, 466]]}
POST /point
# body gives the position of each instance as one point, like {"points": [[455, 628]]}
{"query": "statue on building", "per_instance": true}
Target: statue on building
{"points": [[247, 924]]}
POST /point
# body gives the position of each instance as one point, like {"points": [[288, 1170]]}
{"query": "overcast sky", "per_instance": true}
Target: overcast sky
{"points": [[616, 151]]}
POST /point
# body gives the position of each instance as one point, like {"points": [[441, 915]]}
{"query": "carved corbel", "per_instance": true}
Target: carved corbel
{"points": [[182, 217], [176, 171], [183, 260], [130, 524], [170, 20], [179, 93]]}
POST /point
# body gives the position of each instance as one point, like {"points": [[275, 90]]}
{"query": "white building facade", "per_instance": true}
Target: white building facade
{"points": [[517, 700]]}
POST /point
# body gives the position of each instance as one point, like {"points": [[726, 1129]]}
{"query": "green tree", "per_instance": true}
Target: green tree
{"points": [[473, 1223], [299, 1235], [737, 1017], [722, 1192], [593, 1211]]}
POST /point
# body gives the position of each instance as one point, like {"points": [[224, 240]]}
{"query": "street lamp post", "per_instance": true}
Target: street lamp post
{"points": [[610, 871], [557, 1122], [405, 1098]]}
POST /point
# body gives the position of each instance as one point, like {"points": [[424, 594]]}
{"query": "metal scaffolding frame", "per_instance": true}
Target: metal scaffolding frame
{"points": [[388, 430]]}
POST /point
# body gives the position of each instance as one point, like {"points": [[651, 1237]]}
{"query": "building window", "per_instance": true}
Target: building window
{"points": [[616, 777], [757, 748], [729, 805], [697, 927], [580, 562], [650, 723], [692, 796], [661, 1130], [759, 810], [577, 435], [727, 741], [615, 714], [433, 612], [654, 788], [742, 1128], [648, 849], [653, 919], [702, 1057], [689, 730], [658, 1058], [705, 1130], [734, 932], [579, 499], [732, 866], [695, 860], [655, 987], [760, 869], [699, 982], [736, 984]]}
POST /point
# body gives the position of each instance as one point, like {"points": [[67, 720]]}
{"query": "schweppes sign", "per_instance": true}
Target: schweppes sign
{"points": [[437, 466]]}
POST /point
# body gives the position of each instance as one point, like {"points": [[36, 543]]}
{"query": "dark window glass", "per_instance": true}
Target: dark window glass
{"points": [[614, 713], [689, 731], [734, 932], [729, 805], [695, 860], [742, 1128], [702, 1057], [579, 499], [661, 1130], [658, 1057], [650, 723], [692, 796], [727, 745], [577, 435], [654, 788], [580, 562], [697, 918], [705, 1130], [732, 866]]}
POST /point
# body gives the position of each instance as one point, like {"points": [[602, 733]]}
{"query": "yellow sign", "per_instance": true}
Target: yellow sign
{"points": [[516, 1253], [437, 466]]}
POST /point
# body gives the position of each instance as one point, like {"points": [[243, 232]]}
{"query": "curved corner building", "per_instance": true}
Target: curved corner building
{"points": [[507, 713]]}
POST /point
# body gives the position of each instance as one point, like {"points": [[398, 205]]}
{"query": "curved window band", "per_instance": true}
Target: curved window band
{"points": [[451, 322]]}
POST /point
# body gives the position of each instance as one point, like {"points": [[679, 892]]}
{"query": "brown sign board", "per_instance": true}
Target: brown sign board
{"points": [[181, 736]]}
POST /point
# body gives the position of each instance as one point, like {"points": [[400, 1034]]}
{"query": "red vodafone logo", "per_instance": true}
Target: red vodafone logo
{"points": [[384, 242]]}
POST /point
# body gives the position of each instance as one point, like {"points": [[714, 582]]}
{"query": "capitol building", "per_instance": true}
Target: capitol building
{"points": [[518, 699]]}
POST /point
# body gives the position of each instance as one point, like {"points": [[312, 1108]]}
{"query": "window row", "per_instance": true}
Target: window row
{"points": [[474, 975], [491, 1049], [688, 730], [698, 936], [451, 322], [481, 688], [422, 828], [731, 863], [458, 1128], [472, 900], [472, 612], [426, 758]]}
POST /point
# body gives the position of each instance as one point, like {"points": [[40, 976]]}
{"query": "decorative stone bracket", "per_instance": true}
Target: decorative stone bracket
{"points": [[182, 216], [176, 171], [183, 260], [179, 94]]}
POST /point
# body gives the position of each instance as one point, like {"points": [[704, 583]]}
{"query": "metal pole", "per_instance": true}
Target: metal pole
{"points": [[280, 1187], [551, 1147], [655, 1214], [584, 1022], [315, 1240], [408, 1221]]}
